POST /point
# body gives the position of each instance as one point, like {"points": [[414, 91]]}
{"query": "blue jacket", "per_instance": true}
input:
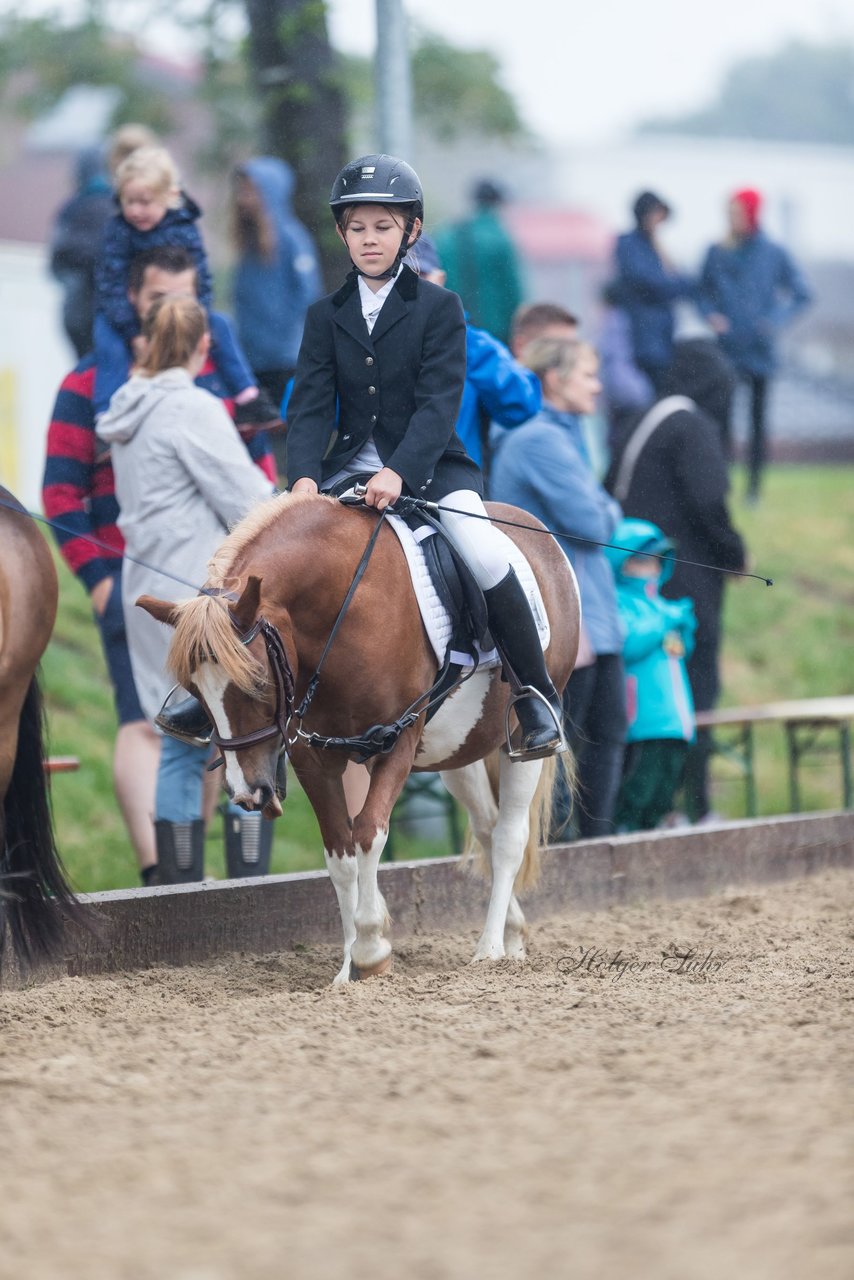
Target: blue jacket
{"points": [[757, 286], [497, 385], [120, 246], [271, 296], [658, 695], [544, 468], [647, 292]]}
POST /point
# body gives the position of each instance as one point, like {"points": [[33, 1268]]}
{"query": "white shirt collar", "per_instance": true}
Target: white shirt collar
{"points": [[372, 303]]}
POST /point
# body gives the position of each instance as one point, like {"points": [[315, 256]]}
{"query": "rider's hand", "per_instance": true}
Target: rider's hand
{"points": [[718, 322], [383, 489], [304, 485]]}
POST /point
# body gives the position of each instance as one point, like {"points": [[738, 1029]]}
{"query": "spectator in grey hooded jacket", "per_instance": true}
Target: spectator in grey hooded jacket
{"points": [[183, 477]]}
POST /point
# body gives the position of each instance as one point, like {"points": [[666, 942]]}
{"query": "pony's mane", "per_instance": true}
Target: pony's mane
{"points": [[250, 527], [204, 632], [203, 627]]}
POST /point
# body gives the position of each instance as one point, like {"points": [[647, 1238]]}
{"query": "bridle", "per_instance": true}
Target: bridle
{"points": [[283, 680]]}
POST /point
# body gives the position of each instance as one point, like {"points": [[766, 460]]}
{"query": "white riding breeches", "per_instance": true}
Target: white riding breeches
{"points": [[485, 549]]}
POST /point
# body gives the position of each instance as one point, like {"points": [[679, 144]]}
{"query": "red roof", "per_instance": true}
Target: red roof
{"points": [[559, 235]]}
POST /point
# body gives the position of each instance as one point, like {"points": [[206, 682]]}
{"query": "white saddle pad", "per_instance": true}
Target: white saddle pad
{"points": [[437, 620]]}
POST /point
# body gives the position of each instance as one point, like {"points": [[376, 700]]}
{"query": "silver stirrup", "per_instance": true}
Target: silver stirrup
{"points": [[516, 753]]}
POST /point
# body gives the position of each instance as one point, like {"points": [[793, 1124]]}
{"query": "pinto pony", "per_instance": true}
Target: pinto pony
{"points": [[34, 894], [288, 567]]}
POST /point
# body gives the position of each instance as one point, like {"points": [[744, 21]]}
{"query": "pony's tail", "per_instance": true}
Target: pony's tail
{"points": [[556, 770], [35, 896]]}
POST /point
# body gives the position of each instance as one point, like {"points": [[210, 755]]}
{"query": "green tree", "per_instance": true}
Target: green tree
{"points": [[40, 58], [801, 93], [455, 91], [458, 91], [298, 84]]}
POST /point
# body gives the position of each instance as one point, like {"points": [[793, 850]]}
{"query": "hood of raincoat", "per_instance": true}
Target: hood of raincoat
{"points": [[135, 401], [701, 371], [274, 179], [639, 537]]}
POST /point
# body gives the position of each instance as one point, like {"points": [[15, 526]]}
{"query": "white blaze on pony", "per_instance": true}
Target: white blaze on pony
{"points": [[291, 563], [212, 682]]}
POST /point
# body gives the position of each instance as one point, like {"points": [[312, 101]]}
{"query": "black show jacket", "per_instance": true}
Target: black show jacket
{"points": [[401, 385]]}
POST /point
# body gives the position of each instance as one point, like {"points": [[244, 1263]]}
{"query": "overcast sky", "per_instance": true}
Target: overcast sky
{"points": [[582, 70]]}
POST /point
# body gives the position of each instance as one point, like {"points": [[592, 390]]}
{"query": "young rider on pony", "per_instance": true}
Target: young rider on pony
{"points": [[383, 363], [385, 356]]}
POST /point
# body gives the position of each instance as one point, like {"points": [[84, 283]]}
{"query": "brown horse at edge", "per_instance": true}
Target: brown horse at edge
{"points": [[35, 898]]}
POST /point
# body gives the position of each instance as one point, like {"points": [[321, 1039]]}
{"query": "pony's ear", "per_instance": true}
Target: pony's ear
{"points": [[245, 611], [162, 610]]}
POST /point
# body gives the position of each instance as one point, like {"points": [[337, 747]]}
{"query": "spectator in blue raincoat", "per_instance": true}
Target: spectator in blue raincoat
{"points": [[647, 285], [659, 636], [277, 276], [749, 289], [545, 468]]}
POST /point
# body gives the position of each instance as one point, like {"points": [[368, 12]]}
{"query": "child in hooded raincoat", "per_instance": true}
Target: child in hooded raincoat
{"points": [[659, 636], [153, 210]]}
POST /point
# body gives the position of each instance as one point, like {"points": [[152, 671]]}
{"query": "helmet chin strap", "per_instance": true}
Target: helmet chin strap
{"points": [[391, 271]]}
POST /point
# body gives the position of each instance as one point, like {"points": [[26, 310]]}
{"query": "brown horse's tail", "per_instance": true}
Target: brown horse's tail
{"points": [[35, 897], [556, 771]]}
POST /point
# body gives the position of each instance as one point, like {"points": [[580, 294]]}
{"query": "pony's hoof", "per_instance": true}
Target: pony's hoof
{"points": [[375, 971], [488, 953]]}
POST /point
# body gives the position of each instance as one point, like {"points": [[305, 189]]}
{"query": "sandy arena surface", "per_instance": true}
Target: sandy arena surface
{"points": [[243, 1120]]}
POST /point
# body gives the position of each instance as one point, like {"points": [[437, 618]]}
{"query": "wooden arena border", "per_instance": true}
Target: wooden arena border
{"points": [[180, 925]]}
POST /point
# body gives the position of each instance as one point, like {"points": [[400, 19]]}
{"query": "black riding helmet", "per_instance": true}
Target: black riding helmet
{"points": [[380, 179]]}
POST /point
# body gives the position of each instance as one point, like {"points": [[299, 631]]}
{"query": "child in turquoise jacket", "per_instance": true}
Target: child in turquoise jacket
{"points": [[659, 636]]}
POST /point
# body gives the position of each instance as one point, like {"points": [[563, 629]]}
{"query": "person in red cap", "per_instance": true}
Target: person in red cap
{"points": [[749, 289]]}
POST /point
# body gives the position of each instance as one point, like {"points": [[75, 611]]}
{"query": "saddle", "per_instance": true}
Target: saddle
{"points": [[452, 579]]}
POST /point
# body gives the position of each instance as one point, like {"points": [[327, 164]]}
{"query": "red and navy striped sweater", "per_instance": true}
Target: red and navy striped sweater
{"points": [[78, 491]]}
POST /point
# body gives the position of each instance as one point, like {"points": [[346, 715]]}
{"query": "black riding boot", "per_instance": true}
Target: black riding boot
{"points": [[180, 851], [187, 721], [515, 634], [248, 842]]}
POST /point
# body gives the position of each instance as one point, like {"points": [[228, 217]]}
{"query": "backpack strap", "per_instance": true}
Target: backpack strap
{"points": [[651, 420]]}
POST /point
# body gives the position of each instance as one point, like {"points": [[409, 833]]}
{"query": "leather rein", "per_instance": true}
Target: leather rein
{"points": [[377, 740]]}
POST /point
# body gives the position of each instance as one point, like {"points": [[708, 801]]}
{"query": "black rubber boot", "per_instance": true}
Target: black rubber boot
{"points": [[187, 721], [180, 851], [248, 842], [515, 634]]}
